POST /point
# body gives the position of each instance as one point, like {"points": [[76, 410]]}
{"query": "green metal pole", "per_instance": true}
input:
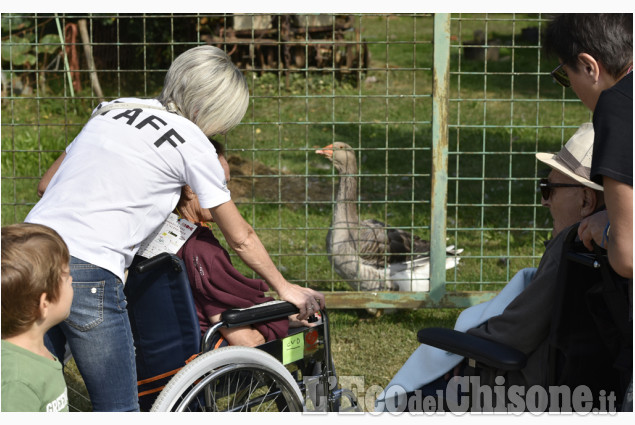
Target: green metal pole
{"points": [[440, 108]]}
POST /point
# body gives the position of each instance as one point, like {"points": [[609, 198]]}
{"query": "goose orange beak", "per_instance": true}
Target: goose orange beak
{"points": [[327, 151]]}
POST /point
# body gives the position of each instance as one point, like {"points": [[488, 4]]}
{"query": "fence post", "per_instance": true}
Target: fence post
{"points": [[440, 107]]}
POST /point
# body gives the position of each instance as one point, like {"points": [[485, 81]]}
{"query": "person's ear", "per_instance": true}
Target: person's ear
{"points": [[589, 66], [45, 303], [589, 202]]}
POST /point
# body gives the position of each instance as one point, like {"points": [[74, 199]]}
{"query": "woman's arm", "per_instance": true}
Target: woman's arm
{"points": [[242, 238], [48, 175], [618, 197], [619, 205]]}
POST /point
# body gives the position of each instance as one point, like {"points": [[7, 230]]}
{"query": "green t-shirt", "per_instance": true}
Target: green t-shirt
{"points": [[30, 382]]}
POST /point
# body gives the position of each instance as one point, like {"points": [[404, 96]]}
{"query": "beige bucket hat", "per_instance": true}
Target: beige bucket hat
{"points": [[574, 159]]}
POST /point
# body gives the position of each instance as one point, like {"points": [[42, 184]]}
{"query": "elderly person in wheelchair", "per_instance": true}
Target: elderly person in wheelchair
{"points": [[217, 334], [216, 285], [520, 320], [208, 339]]}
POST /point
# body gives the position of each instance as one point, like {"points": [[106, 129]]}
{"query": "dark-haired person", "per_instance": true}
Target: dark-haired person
{"points": [[595, 51], [596, 60]]}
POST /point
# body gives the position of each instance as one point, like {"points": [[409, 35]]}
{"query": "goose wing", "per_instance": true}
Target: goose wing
{"points": [[376, 241], [402, 242], [373, 243]]}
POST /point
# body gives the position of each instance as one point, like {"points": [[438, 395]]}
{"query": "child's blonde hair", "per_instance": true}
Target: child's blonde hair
{"points": [[32, 259]]}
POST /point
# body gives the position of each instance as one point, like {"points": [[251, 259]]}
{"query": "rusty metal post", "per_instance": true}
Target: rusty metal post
{"points": [[66, 65], [440, 111]]}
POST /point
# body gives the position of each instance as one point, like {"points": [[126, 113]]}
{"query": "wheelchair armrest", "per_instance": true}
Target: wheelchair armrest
{"points": [[264, 312], [481, 350], [165, 258]]}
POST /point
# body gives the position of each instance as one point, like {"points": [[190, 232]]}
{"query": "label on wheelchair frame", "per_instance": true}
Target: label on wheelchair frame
{"points": [[292, 348]]}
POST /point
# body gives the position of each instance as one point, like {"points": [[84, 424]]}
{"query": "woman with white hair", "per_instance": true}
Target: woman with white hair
{"points": [[117, 182]]}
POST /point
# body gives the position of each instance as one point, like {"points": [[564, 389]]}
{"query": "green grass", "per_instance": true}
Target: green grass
{"points": [[374, 348], [78, 398]]}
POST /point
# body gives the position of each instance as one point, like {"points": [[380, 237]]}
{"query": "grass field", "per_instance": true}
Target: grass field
{"points": [[501, 112]]}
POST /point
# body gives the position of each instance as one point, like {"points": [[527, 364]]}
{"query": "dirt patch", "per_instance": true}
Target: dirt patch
{"points": [[254, 180]]}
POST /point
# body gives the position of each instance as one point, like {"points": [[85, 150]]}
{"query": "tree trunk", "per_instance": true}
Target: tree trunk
{"points": [[89, 59]]}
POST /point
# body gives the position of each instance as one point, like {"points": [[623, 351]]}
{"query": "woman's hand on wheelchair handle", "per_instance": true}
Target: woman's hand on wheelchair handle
{"points": [[307, 300], [592, 228]]}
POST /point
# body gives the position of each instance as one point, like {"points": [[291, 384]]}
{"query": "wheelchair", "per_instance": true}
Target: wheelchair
{"points": [[179, 370], [590, 340]]}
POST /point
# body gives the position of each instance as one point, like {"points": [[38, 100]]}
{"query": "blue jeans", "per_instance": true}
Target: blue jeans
{"points": [[98, 333]]}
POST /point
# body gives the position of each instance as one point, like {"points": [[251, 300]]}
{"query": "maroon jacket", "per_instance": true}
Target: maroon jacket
{"points": [[217, 286]]}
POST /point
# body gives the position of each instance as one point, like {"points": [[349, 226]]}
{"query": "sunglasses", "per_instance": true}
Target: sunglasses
{"points": [[560, 76], [546, 187]]}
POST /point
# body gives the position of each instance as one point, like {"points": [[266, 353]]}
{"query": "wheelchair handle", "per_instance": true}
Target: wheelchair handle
{"points": [[268, 311], [158, 261], [258, 313], [588, 260]]}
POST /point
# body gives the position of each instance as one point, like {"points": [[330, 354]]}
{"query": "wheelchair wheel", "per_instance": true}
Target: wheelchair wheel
{"points": [[231, 379]]}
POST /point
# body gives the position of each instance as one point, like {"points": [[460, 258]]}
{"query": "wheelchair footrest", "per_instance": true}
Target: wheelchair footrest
{"points": [[268, 311]]}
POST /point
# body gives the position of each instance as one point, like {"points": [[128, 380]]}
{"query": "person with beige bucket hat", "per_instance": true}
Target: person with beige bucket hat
{"points": [[571, 168], [570, 196], [520, 315]]}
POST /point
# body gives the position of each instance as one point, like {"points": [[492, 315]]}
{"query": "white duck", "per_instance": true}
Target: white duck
{"points": [[367, 253]]}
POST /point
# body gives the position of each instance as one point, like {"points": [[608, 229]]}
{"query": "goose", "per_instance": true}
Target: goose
{"points": [[357, 249]]}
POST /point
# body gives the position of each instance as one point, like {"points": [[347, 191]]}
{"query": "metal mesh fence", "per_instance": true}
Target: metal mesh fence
{"points": [[504, 109], [364, 79]]}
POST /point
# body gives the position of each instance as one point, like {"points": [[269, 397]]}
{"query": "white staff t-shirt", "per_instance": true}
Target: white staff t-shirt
{"points": [[121, 178]]}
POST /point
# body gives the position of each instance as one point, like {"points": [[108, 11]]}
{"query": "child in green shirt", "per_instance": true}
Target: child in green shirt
{"points": [[37, 294]]}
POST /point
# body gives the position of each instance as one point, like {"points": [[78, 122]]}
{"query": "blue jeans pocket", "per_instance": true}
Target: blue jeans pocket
{"points": [[87, 310]]}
